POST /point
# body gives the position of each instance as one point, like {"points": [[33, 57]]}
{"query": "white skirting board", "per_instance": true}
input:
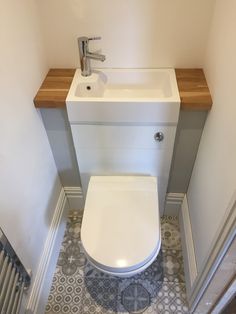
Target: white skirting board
{"points": [[190, 266], [173, 204], [43, 278], [75, 197]]}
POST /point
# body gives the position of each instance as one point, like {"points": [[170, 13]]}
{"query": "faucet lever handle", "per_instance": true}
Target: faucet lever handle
{"points": [[95, 38]]}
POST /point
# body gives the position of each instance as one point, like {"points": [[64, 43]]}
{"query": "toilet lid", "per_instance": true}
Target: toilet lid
{"points": [[120, 227]]}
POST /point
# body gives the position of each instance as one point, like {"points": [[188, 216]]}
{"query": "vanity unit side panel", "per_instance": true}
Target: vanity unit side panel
{"points": [[60, 138], [188, 136]]}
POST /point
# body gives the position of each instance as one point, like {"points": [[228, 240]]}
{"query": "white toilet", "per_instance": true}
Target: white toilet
{"points": [[124, 140], [121, 225]]}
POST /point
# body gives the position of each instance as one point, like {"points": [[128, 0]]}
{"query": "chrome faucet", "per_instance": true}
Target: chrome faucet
{"points": [[85, 55]]}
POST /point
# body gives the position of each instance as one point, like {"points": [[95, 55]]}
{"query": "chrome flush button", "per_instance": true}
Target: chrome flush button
{"points": [[159, 136]]}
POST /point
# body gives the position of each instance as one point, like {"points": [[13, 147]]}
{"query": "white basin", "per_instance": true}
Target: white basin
{"points": [[125, 84], [124, 95]]}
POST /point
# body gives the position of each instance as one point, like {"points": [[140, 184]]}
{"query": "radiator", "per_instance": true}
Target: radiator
{"points": [[14, 278]]}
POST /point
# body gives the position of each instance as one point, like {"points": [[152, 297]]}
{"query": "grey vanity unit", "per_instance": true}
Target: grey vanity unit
{"points": [[195, 104]]}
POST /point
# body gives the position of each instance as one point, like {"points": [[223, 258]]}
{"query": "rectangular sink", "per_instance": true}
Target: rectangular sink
{"points": [[110, 84], [124, 95]]}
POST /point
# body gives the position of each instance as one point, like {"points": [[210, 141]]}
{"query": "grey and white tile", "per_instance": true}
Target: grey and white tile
{"points": [[136, 295], [171, 299], [78, 287], [173, 267], [99, 295], [170, 233], [65, 295]]}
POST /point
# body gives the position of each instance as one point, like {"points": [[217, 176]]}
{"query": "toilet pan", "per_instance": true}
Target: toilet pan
{"points": [[120, 230]]}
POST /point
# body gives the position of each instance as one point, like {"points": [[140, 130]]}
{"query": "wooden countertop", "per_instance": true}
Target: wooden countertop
{"points": [[193, 89], [54, 89]]}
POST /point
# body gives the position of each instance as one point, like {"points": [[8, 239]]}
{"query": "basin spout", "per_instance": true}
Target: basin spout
{"points": [[85, 55], [96, 56]]}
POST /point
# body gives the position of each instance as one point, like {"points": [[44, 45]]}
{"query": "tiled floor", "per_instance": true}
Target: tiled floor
{"points": [[79, 288]]}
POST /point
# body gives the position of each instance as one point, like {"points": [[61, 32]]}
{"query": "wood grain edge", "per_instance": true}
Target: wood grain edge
{"points": [[54, 88], [193, 89]]}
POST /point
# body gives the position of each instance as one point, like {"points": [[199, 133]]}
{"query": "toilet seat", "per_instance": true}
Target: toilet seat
{"points": [[120, 230]]}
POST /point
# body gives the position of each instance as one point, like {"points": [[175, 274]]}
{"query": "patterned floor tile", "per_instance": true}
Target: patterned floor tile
{"points": [[100, 295], [173, 266], [65, 295], [80, 288], [71, 258], [171, 299], [154, 273], [90, 271], [136, 295], [170, 234]]}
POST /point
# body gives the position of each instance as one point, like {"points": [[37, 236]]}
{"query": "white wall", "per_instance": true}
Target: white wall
{"points": [[135, 33], [29, 185], [214, 176]]}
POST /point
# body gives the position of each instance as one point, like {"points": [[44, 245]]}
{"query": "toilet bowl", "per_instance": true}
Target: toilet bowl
{"points": [[120, 230]]}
